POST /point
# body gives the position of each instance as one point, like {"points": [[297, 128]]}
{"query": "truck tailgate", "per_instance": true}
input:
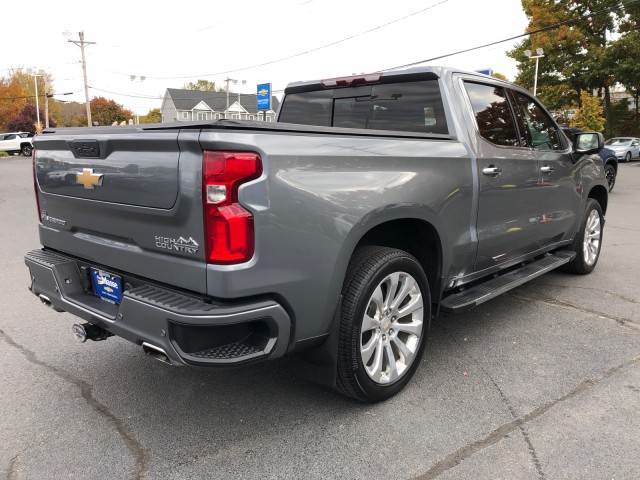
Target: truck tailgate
{"points": [[125, 198]]}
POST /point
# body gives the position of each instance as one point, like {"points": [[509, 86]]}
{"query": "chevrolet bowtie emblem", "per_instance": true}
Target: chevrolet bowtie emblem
{"points": [[89, 179]]}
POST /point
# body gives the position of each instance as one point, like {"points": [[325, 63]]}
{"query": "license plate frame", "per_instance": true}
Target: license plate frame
{"points": [[107, 286]]}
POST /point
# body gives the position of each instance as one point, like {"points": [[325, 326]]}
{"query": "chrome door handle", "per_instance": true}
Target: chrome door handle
{"points": [[492, 170], [546, 169]]}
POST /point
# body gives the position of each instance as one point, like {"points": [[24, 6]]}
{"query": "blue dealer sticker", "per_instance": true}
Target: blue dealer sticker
{"points": [[107, 286]]}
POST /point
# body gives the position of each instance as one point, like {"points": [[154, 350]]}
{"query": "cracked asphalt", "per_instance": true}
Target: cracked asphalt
{"points": [[540, 383]]}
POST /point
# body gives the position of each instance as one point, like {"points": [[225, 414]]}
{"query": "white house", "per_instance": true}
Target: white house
{"points": [[181, 105]]}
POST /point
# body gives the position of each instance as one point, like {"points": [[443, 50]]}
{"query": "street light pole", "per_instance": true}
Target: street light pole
{"points": [[35, 81], [540, 54], [235, 82], [46, 103], [226, 112]]}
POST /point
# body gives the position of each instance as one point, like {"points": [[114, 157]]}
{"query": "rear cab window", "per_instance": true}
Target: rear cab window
{"points": [[411, 106]]}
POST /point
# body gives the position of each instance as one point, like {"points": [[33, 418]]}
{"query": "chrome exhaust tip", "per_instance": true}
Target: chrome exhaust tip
{"points": [[45, 300], [155, 352]]}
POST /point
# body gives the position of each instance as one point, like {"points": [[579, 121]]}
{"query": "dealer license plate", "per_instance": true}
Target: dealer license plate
{"points": [[106, 285]]}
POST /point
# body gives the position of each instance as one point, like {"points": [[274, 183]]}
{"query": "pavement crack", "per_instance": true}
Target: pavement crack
{"points": [[507, 403], [622, 228], [140, 455], [593, 289], [502, 431], [623, 322], [12, 469]]}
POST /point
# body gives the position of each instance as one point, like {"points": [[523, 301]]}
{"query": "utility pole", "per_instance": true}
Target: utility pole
{"points": [[81, 43]]}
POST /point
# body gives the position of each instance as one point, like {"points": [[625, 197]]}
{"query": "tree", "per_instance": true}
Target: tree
{"points": [[203, 86], [27, 120], [499, 76], [576, 53], [18, 89], [73, 114], [105, 112], [589, 116], [12, 101], [154, 116]]}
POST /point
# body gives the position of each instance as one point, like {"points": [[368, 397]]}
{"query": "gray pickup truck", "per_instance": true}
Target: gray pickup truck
{"points": [[334, 235]]}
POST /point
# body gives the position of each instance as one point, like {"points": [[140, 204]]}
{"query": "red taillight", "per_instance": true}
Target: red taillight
{"points": [[228, 226], [35, 183]]}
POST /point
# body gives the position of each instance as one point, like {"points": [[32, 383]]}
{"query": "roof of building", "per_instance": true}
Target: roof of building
{"points": [[188, 99]]}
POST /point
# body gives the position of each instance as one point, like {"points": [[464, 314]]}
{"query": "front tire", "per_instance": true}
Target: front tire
{"points": [[385, 316], [627, 157], [588, 241], [26, 150], [610, 174]]}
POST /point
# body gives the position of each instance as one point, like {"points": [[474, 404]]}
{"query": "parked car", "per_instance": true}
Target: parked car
{"points": [[608, 156], [16, 142], [625, 148]]}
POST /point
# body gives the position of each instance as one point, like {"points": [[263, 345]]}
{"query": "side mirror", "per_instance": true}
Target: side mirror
{"points": [[588, 142]]}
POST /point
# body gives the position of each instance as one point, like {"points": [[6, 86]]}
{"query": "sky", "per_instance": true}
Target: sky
{"points": [[142, 47]]}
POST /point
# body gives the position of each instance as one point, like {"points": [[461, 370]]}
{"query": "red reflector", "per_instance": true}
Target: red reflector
{"points": [[228, 226], [364, 79]]}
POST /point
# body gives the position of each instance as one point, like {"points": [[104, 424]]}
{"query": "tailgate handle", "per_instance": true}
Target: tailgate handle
{"points": [[86, 148], [492, 170]]}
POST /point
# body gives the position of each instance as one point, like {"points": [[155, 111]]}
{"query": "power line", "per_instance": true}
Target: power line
{"points": [[21, 97], [540, 30], [271, 62], [156, 97]]}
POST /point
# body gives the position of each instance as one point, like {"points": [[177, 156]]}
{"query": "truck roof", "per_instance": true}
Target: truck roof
{"points": [[423, 71]]}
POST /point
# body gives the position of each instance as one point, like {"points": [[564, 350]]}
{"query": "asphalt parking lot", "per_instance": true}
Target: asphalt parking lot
{"points": [[541, 383]]}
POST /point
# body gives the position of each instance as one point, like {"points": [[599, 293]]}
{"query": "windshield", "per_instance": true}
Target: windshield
{"points": [[617, 141]]}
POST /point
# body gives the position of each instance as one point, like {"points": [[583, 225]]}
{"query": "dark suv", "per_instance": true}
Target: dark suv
{"points": [[608, 156]]}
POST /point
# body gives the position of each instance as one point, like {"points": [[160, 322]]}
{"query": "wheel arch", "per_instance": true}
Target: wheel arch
{"points": [[600, 194], [415, 236]]}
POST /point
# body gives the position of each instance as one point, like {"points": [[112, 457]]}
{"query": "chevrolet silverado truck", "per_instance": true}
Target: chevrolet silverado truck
{"points": [[333, 235]]}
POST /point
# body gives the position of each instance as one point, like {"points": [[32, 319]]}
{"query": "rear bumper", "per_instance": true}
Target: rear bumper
{"points": [[191, 331]]}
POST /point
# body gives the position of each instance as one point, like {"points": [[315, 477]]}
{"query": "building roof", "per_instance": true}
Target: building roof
{"points": [[188, 99]]}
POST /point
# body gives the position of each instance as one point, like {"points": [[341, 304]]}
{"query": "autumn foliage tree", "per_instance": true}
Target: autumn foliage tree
{"points": [[577, 53], [105, 112], [203, 86], [12, 101], [589, 116], [154, 116], [18, 90], [27, 120]]}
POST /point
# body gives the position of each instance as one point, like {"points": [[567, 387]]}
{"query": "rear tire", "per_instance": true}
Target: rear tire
{"points": [[588, 241], [385, 316]]}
